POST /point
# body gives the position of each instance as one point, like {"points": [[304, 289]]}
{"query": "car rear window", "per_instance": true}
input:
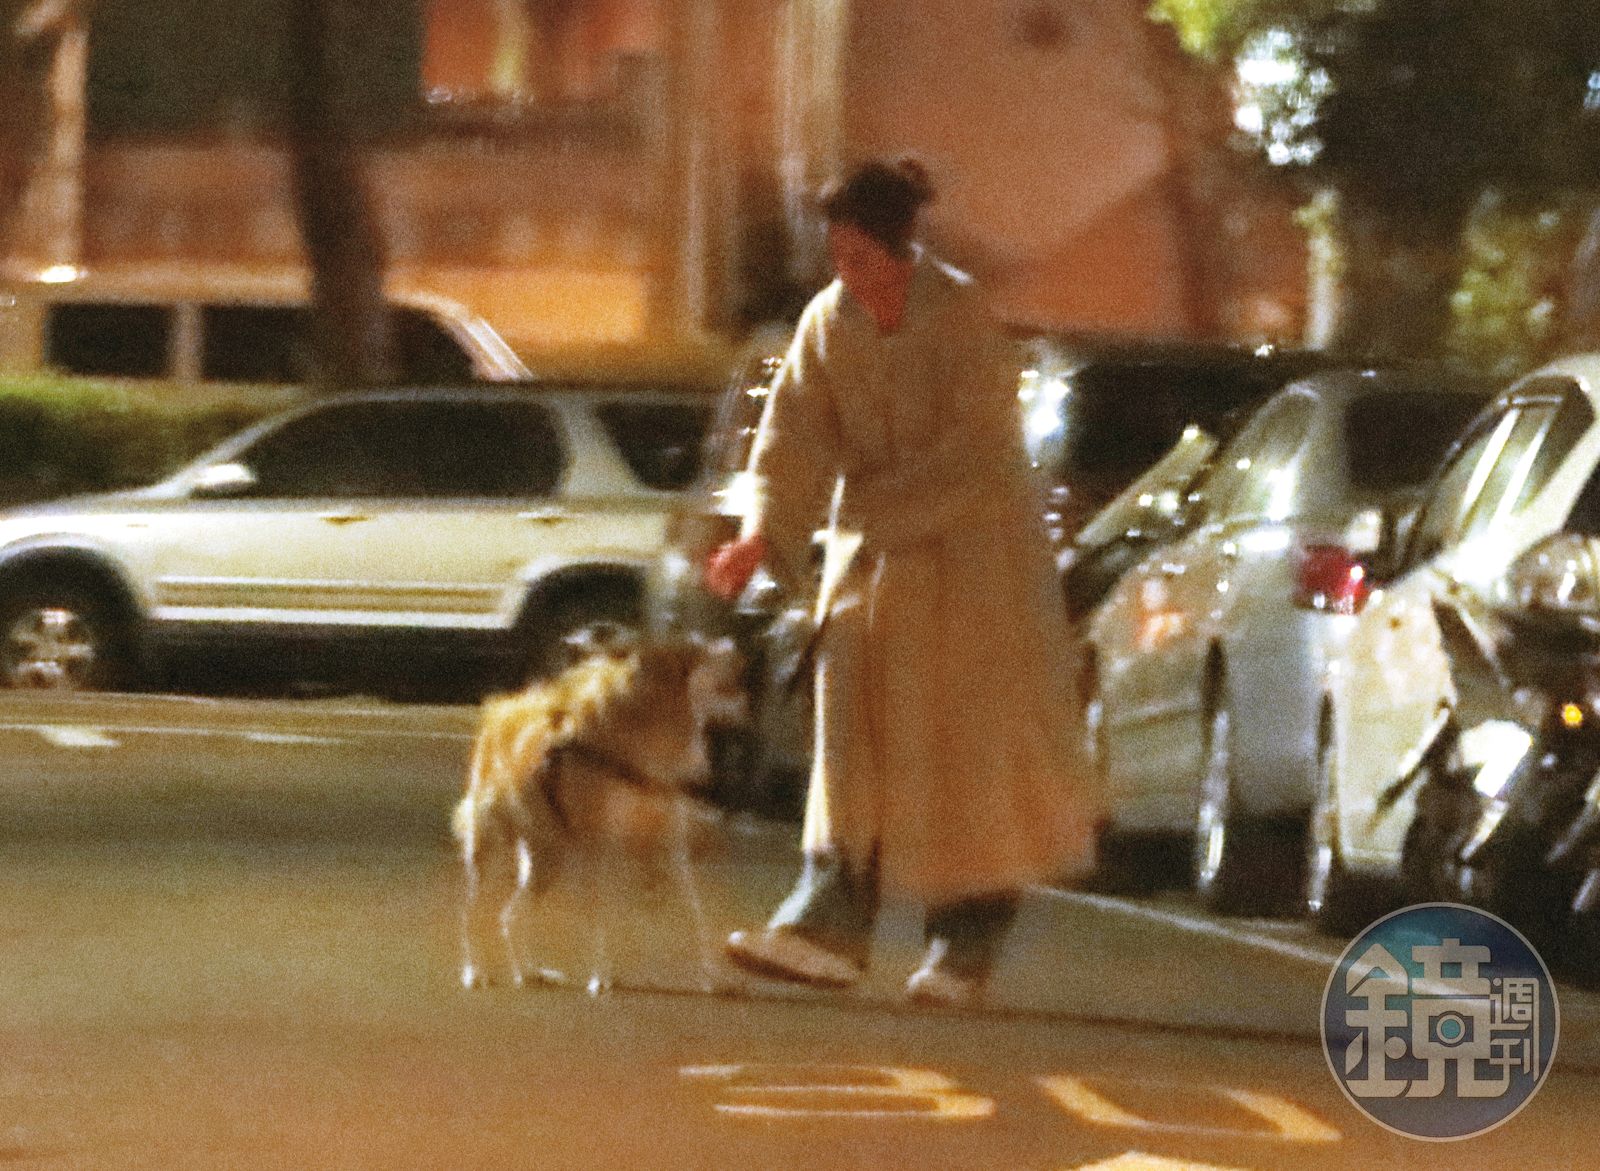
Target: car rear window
{"points": [[662, 442], [1396, 441]]}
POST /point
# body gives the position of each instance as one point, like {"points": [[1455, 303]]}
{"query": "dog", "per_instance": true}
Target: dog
{"points": [[601, 760]]}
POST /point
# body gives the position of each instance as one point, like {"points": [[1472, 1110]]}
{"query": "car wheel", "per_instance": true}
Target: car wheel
{"points": [[1230, 851], [1336, 902], [1094, 727], [1118, 868], [65, 639], [1580, 953], [555, 623]]}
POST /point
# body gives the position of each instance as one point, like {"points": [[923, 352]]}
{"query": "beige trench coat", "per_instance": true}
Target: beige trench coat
{"points": [[944, 719]]}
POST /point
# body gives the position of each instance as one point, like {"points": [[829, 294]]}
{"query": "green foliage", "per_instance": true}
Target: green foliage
{"points": [[59, 436], [1422, 103], [1505, 313], [1217, 29]]}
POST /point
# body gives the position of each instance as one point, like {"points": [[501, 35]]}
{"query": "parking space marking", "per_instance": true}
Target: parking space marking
{"points": [[1285, 1121], [69, 737], [1139, 1161], [1195, 926], [82, 736], [1210, 927], [841, 1091]]}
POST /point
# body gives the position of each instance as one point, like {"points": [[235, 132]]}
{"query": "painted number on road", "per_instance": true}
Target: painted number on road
{"points": [[1281, 1119], [839, 1091]]}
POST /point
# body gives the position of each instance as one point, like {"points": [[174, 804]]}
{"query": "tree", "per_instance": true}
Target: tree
{"points": [[344, 245], [43, 57], [1399, 117]]}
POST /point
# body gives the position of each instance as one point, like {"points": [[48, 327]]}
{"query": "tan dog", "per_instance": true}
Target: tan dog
{"points": [[599, 758]]}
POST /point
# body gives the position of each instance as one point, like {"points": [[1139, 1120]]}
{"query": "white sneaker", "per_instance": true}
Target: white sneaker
{"points": [[936, 988], [787, 955]]}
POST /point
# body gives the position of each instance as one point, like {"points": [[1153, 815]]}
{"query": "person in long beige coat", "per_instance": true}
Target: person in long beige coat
{"points": [[945, 768]]}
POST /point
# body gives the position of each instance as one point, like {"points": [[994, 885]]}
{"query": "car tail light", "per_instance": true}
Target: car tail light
{"points": [[1331, 579]]}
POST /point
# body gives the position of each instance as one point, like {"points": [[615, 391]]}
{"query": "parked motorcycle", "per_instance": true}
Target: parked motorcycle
{"points": [[1508, 815]]}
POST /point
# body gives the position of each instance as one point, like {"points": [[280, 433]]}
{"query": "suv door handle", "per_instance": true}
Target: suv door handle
{"points": [[344, 518], [544, 516]]}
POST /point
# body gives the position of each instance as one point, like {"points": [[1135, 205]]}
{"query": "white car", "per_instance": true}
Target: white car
{"points": [[1205, 659], [1511, 481], [378, 533], [212, 326]]}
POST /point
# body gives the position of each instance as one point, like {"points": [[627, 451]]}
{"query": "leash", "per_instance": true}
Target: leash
{"points": [[622, 770]]}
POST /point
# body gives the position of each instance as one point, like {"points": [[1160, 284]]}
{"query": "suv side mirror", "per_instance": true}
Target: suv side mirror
{"points": [[223, 482]]}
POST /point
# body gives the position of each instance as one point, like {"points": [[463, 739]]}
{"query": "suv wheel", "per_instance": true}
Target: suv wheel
{"points": [[63, 638], [553, 624]]}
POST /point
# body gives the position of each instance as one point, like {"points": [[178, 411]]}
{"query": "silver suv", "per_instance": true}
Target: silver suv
{"points": [[379, 533]]}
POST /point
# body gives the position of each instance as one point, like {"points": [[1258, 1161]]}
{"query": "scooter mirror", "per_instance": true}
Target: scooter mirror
{"points": [[1557, 578]]}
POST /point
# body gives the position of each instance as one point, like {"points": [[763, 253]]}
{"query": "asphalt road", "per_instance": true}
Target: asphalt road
{"points": [[230, 941]]}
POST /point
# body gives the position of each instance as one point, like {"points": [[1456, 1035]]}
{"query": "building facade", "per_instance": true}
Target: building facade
{"points": [[630, 176]]}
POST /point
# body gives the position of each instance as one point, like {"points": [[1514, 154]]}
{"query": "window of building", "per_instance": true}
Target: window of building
{"points": [[531, 51]]}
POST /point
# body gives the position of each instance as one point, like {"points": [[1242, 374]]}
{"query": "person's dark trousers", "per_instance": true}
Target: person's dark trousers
{"points": [[834, 904], [964, 937]]}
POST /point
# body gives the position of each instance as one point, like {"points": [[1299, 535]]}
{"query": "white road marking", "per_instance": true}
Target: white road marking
{"points": [[78, 737], [1139, 1161], [103, 736], [1239, 935], [1195, 926], [841, 1091], [1286, 1121]]}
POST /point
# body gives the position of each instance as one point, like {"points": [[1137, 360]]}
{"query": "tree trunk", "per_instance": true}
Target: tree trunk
{"points": [[42, 133], [1193, 118], [351, 340], [1381, 282]]}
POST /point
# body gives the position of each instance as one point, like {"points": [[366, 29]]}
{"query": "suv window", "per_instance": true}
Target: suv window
{"points": [[1512, 471], [1459, 485], [410, 450], [108, 339], [426, 351], [661, 442], [334, 451], [255, 343], [272, 344], [467, 449]]}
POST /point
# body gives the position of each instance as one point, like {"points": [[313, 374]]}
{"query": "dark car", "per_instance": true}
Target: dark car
{"points": [[1101, 415], [758, 766]]}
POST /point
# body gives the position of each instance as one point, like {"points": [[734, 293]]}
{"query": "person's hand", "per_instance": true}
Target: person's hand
{"points": [[730, 568]]}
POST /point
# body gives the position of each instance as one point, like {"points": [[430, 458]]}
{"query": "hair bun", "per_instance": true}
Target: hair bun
{"points": [[915, 172]]}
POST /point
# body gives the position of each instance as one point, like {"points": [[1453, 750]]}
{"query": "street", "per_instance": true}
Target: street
{"points": [[231, 941]]}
